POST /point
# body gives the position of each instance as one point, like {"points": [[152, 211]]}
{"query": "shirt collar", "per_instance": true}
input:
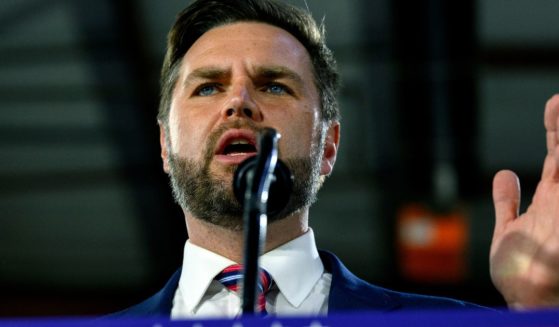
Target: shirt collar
{"points": [[295, 267], [199, 268]]}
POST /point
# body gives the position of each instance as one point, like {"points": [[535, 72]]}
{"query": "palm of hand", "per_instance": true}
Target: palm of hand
{"points": [[524, 254]]}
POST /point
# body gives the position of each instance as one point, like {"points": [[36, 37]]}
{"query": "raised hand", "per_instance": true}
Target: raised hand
{"points": [[524, 257]]}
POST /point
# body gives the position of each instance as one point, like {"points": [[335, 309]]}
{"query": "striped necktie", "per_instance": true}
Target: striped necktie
{"points": [[231, 276]]}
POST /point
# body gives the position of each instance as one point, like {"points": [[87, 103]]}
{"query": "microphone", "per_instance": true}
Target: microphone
{"points": [[281, 184], [262, 184]]}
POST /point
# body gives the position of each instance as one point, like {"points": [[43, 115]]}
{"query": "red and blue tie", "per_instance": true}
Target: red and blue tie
{"points": [[231, 276]]}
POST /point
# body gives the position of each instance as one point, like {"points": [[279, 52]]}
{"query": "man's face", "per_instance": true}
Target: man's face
{"points": [[235, 80]]}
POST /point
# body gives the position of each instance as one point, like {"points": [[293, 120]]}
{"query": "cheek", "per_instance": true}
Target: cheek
{"points": [[179, 136], [184, 135], [299, 134]]}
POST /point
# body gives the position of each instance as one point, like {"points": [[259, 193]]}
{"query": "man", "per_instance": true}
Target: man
{"points": [[235, 67]]}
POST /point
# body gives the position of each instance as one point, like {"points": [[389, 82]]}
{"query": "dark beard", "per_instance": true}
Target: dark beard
{"points": [[213, 201]]}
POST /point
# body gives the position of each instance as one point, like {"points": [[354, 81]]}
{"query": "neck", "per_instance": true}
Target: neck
{"points": [[229, 243]]}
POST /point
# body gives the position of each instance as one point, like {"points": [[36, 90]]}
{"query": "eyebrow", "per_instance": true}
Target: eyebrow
{"points": [[262, 72], [206, 73], [277, 72]]}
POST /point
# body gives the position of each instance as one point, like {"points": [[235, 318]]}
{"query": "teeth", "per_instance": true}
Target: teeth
{"points": [[242, 141], [239, 147]]}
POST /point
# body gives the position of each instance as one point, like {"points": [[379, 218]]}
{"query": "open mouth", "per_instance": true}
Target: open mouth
{"points": [[237, 143], [239, 147]]}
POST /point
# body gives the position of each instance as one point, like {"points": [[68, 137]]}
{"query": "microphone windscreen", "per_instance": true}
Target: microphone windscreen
{"points": [[280, 188]]}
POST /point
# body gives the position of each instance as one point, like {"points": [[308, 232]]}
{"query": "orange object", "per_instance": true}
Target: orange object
{"points": [[432, 246]]}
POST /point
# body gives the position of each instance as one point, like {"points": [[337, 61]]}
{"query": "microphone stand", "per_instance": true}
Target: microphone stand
{"points": [[258, 182]]}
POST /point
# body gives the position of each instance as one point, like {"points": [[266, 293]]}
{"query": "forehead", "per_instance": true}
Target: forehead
{"points": [[252, 43]]}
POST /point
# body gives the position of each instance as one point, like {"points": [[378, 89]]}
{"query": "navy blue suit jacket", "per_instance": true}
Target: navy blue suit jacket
{"points": [[347, 292]]}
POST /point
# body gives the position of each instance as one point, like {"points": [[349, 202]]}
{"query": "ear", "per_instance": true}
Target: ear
{"points": [[163, 144], [330, 148]]}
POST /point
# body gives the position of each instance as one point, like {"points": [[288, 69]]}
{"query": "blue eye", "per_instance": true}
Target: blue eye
{"points": [[206, 90], [276, 89]]}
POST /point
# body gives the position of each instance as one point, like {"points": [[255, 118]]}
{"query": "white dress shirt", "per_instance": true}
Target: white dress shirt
{"points": [[301, 283]]}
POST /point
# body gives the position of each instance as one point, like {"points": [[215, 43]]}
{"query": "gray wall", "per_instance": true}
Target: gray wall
{"points": [[85, 212]]}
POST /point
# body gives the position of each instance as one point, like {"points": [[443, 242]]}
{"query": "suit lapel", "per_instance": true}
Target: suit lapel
{"points": [[348, 292], [159, 305]]}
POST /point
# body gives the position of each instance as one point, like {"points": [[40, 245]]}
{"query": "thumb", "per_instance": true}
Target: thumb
{"points": [[506, 198]]}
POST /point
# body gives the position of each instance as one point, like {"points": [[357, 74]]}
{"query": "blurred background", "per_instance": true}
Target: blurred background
{"points": [[437, 96]]}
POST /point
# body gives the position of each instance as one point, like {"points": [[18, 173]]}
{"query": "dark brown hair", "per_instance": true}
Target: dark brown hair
{"points": [[203, 15]]}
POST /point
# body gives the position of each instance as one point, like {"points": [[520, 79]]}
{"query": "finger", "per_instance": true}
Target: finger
{"points": [[506, 198], [551, 120], [555, 156], [550, 169]]}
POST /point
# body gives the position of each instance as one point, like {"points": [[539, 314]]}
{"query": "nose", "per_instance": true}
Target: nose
{"points": [[247, 112], [241, 103]]}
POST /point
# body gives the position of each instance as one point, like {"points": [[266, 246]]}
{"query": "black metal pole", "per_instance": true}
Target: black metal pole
{"points": [[254, 215]]}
